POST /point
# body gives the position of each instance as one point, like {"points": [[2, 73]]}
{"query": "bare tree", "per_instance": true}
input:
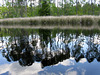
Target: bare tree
{"points": [[76, 6], [62, 7], [57, 8], [12, 3], [31, 6], [26, 8], [40, 2]]}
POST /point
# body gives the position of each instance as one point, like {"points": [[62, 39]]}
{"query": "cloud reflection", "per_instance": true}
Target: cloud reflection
{"points": [[67, 67], [68, 62], [72, 73], [35, 69], [16, 69], [4, 68]]}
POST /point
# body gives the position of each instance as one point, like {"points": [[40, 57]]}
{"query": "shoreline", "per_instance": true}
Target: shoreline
{"points": [[65, 22], [52, 27]]}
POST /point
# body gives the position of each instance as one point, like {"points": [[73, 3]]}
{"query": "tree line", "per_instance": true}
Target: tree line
{"points": [[30, 8]]}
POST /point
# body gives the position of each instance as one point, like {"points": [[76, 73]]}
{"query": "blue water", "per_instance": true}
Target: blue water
{"points": [[52, 53]]}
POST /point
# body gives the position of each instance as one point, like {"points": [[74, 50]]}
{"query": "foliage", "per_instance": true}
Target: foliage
{"points": [[45, 9], [25, 8]]}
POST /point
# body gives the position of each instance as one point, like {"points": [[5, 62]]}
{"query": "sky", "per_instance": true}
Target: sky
{"points": [[0, 2], [55, 1]]}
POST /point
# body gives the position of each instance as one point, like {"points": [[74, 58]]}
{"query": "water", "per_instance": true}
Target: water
{"points": [[49, 52]]}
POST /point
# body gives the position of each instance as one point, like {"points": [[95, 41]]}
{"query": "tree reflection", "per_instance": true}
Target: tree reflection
{"points": [[51, 50]]}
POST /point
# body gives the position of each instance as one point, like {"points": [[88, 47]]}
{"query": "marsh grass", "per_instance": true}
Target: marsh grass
{"points": [[53, 21], [98, 22], [33, 22], [87, 21], [24, 22], [74, 21]]}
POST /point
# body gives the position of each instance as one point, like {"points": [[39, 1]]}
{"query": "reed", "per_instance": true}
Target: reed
{"points": [[53, 21], [86, 21], [99, 21]]}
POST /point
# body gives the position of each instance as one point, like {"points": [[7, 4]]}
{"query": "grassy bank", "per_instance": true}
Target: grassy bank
{"points": [[74, 21]]}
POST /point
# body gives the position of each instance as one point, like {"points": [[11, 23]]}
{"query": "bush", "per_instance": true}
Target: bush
{"points": [[45, 9]]}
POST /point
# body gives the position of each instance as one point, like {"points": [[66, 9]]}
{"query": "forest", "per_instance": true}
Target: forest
{"points": [[31, 8]]}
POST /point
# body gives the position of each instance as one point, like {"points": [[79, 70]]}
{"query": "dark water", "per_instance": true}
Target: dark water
{"points": [[49, 52]]}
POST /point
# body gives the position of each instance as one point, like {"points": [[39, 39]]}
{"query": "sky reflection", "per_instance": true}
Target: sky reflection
{"points": [[50, 54], [67, 67]]}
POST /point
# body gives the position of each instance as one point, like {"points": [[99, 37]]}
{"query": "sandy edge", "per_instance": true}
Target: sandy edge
{"points": [[52, 27]]}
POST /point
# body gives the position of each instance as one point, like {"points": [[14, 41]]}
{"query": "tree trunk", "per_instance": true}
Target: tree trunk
{"points": [[57, 8], [12, 3], [76, 7], [26, 8]]}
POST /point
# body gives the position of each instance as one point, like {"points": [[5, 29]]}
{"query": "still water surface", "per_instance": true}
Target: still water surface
{"points": [[49, 52]]}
